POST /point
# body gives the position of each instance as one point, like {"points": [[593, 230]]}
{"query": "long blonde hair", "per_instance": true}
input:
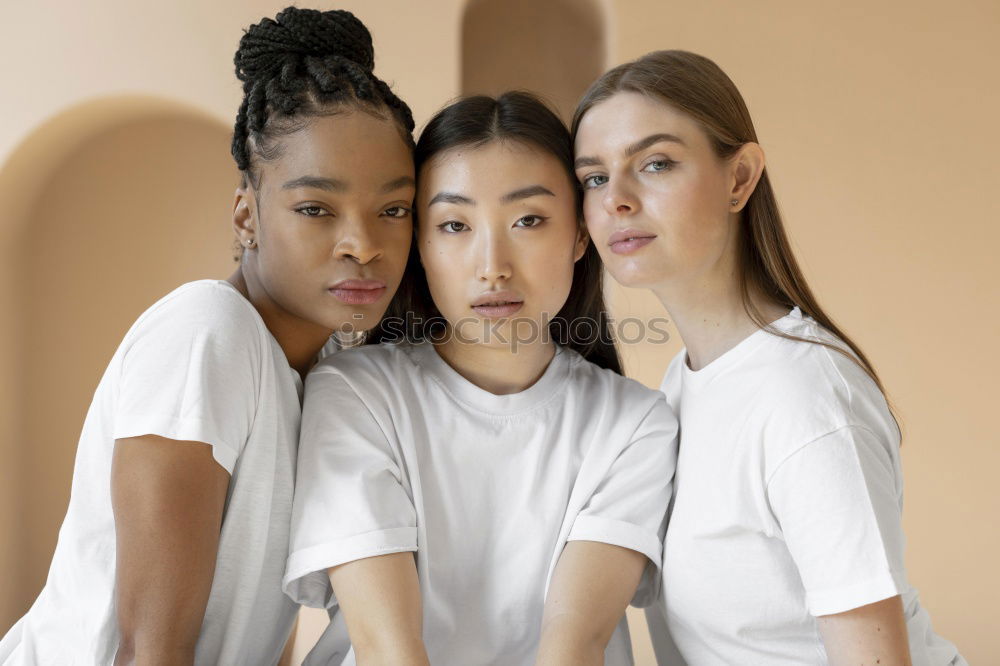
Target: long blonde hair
{"points": [[697, 87]]}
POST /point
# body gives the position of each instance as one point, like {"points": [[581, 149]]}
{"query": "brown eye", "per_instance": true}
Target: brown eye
{"points": [[452, 227], [530, 221], [397, 211], [310, 211]]}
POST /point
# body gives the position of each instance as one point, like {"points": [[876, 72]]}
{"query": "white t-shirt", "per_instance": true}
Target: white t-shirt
{"points": [[400, 453], [198, 365], [787, 505]]}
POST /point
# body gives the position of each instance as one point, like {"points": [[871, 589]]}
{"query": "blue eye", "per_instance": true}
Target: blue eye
{"points": [[397, 211], [659, 165], [530, 221], [452, 227], [590, 182]]}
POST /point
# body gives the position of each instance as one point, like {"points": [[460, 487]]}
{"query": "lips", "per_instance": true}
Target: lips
{"points": [[495, 304], [358, 292], [627, 241]]}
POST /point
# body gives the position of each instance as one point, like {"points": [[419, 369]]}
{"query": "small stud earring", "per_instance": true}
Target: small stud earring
{"points": [[250, 242], [734, 202]]}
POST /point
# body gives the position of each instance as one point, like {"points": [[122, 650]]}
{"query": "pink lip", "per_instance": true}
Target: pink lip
{"points": [[496, 304], [627, 241], [358, 292]]}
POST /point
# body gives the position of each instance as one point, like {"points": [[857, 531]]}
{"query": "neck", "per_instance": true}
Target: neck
{"points": [[710, 314], [299, 339], [499, 369]]}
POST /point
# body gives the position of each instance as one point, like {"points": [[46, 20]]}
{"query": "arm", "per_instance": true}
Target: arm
{"points": [[380, 598], [872, 634], [837, 502], [167, 498], [590, 590]]}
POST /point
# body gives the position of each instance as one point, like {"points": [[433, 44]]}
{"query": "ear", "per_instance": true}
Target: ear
{"points": [[244, 217], [747, 166], [582, 241]]}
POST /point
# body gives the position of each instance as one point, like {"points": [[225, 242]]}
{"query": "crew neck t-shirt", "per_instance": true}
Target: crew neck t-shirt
{"points": [[199, 365], [787, 505], [399, 453]]}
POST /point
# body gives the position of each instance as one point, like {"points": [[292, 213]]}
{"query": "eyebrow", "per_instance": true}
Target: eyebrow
{"points": [[334, 185], [452, 198], [317, 183], [398, 183], [526, 192], [634, 148]]}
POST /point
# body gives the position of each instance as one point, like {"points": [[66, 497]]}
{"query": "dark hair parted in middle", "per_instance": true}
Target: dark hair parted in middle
{"points": [[518, 117]]}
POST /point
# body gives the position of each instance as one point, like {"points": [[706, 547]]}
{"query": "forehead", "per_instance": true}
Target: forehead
{"points": [[491, 170], [352, 146], [627, 117]]}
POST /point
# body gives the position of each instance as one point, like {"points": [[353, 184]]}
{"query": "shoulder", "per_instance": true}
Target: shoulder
{"points": [[609, 392], [366, 368], [815, 387], [203, 308]]}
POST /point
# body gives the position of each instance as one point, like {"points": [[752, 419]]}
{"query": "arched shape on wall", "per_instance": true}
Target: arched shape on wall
{"points": [[555, 48], [106, 208]]}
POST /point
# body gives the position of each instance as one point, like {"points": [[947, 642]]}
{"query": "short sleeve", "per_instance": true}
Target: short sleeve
{"points": [[190, 371], [629, 506], [837, 502], [350, 500]]}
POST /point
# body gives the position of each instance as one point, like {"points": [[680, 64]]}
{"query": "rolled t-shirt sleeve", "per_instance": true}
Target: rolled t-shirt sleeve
{"points": [[837, 502], [191, 372], [350, 496], [629, 506]]}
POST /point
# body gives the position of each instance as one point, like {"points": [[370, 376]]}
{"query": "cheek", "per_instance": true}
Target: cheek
{"points": [[594, 215], [445, 271]]}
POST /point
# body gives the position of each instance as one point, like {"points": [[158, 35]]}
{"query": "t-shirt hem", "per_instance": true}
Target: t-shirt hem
{"points": [[306, 581], [849, 597], [180, 429], [618, 533]]}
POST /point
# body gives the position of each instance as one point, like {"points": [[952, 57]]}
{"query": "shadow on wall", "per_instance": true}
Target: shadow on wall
{"points": [[106, 208], [556, 48]]}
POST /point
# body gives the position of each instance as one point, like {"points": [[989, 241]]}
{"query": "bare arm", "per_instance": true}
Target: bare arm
{"points": [[168, 498], [867, 636], [380, 597], [590, 590]]}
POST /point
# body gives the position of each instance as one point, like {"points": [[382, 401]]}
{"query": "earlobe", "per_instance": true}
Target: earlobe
{"points": [[748, 167], [582, 241], [243, 217]]}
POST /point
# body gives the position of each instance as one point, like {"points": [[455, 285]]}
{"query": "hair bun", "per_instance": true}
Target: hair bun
{"points": [[267, 45]]}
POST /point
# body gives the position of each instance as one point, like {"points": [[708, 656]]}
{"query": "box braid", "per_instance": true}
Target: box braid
{"points": [[304, 63]]}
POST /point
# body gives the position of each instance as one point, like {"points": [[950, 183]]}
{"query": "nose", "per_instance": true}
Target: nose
{"points": [[494, 258], [357, 243], [619, 198]]}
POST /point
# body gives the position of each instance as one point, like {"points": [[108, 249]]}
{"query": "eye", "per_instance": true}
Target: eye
{"points": [[659, 165], [452, 227], [397, 211], [529, 221], [310, 211], [590, 182]]}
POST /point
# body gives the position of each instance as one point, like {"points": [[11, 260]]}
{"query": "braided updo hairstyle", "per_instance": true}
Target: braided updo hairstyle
{"points": [[301, 64]]}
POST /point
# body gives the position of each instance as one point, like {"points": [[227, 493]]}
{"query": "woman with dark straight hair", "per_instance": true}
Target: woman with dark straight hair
{"points": [[500, 490], [785, 543]]}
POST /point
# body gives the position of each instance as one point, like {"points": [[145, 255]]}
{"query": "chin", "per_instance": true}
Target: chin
{"points": [[636, 277]]}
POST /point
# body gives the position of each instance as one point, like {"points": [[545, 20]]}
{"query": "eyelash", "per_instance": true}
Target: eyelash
{"points": [[403, 211], [540, 219]]}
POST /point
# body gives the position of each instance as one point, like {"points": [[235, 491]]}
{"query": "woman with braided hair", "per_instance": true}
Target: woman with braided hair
{"points": [[176, 536]]}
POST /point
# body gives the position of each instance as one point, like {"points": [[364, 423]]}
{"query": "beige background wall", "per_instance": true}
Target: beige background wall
{"points": [[879, 124]]}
